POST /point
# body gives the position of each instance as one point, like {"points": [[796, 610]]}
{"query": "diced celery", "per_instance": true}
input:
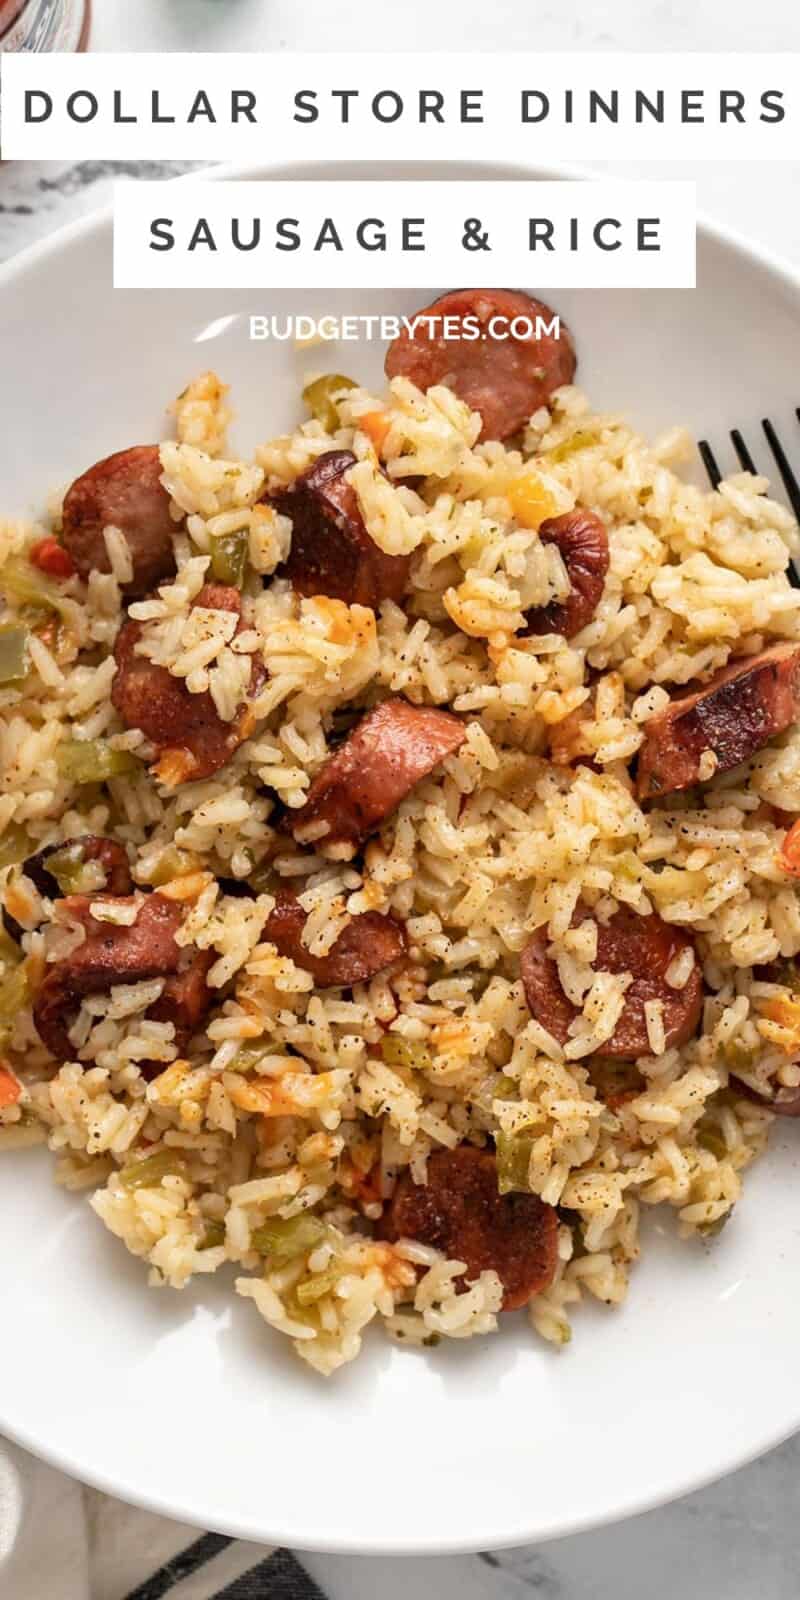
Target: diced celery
{"points": [[409, 1053], [14, 996], [580, 440], [72, 873], [513, 1160], [505, 1088], [28, 586], [739, 1057], [262, 877], [248, 1056], [229, 557], [319, 395], [172, 863], [213, 1237], [15, 845], [147, 1174], [93, 761], [712, 1141], [13, 652], [282, 1239], [317, 1286]]}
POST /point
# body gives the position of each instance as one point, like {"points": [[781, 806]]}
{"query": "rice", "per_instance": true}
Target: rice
{"points": [[275, 1137]]}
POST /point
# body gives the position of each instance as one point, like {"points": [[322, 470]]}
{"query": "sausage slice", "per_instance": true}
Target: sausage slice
{"points": [[734, 714], [368, 944], [115, 953], [331, 552], [124, 490], [644, 946], [507, 378], [460, 1212], [190, 736], [389, 751], [185, 997], [583, 542]]}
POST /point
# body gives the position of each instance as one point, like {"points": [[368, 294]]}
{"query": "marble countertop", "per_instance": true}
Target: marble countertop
{"points": [[738, 1538]]}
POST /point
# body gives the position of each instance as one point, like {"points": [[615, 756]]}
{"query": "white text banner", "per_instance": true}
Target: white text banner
{"points": [[518, 108], [193, 233]]}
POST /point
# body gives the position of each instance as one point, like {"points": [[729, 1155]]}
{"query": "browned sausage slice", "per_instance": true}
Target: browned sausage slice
{"points": [[190, 736], [583, 542], [505, 379], [734, 714], [389, 751], [123, 490], [459, 1211], [185, 997], [115, 953], [368, 944], [331, 552], [644, 946]]}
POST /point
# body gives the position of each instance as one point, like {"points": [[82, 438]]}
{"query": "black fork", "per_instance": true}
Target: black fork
{"points": [[746, 461]]}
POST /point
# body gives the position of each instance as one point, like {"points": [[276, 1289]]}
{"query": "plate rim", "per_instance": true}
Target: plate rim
{"points": [[201, 1516]]}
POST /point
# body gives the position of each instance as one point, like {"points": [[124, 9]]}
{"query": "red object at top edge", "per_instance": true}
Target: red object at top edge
{"points": [[12, 10]]}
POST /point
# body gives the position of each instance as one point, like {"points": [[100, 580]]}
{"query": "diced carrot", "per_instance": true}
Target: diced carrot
{"points": [[531, 503], [780, 1024], [789, 853], [363, 1186], [10, 1090], [376, 425], [189, 886], [51, 557]]}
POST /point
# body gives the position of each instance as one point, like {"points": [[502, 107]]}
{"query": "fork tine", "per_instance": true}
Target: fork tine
{"points": [[745, 459], [790, 482], [709, 462]]}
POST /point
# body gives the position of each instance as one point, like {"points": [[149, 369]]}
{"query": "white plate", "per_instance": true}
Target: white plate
{"points": [[186, 1402]]}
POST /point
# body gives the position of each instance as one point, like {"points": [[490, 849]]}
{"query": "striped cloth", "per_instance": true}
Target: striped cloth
{"points": [[224, 1568], [59, 1541]]}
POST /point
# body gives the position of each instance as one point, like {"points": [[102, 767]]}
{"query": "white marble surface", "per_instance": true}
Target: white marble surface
{"points": [[739, 1538]]}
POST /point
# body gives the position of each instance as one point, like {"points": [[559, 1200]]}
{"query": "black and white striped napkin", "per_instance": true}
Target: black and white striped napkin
{"points": [[216, 1568], [59, 1541]]}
